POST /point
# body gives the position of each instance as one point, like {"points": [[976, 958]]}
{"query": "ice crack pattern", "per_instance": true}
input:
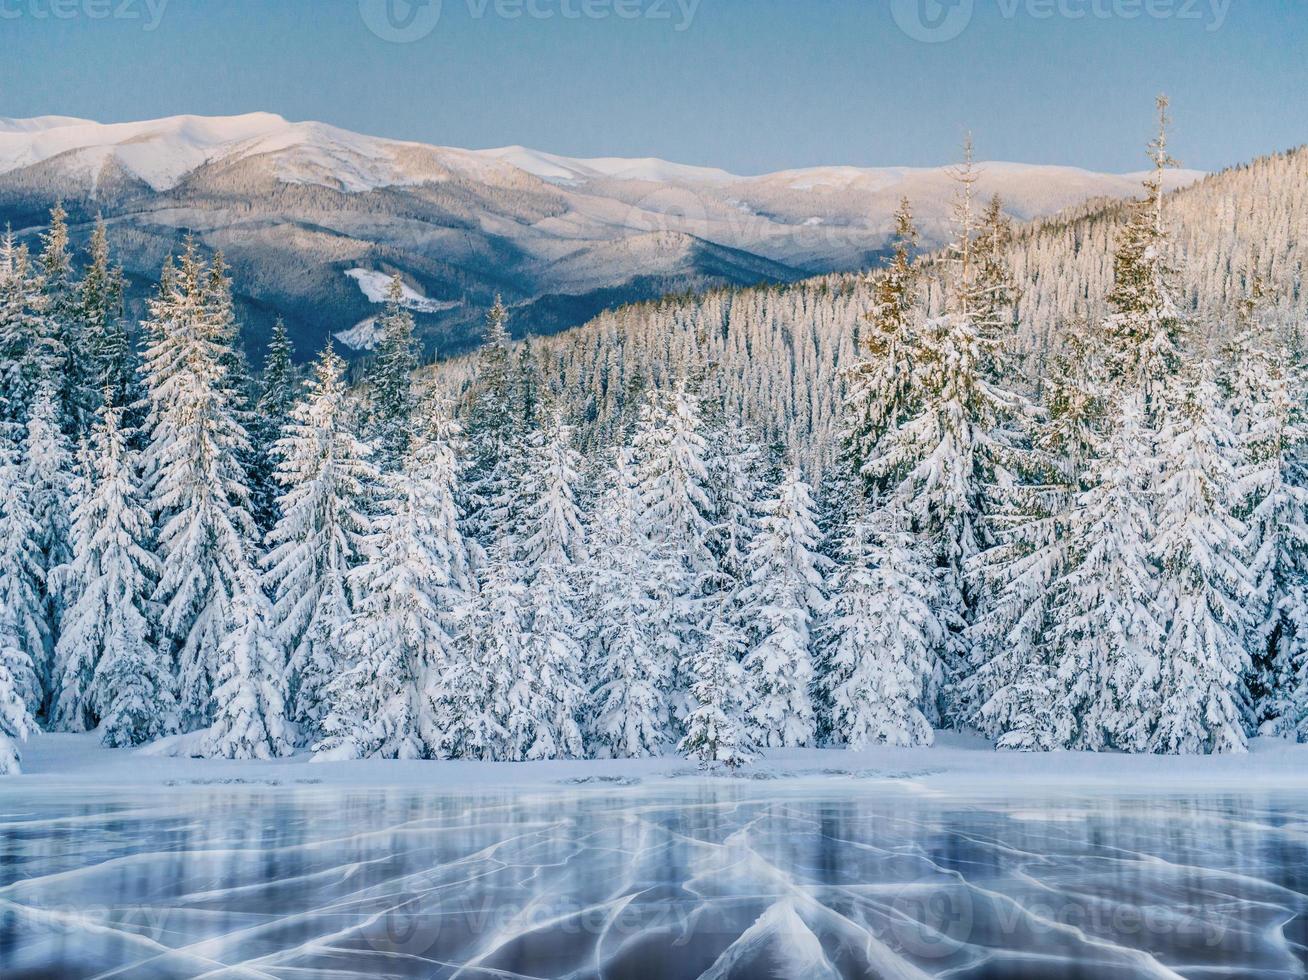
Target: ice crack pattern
{"points": [[718, 880]]}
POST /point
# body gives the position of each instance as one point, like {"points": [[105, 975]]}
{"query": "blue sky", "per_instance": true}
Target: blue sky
{"points": [[749, 85]]}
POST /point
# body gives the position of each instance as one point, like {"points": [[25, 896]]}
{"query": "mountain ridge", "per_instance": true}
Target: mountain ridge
{"points": [[296, 205]]}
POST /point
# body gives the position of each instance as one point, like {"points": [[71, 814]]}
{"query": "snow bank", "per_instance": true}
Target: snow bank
{"points": [[957, 764]]}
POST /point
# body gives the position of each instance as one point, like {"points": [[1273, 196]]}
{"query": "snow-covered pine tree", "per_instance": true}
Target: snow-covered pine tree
{"points": [[249, 688], [22, 582], [528, 394], [326, 475], [716, 731], [880, 636], [494, 434], [1106, 634], [627, 611], [110, 357], [669, 454], [48, 476], [195, 479], [734, 485], [278, 391], [391, 702], [15, 720], [22, 328], [111, 670], [880, 386], [391, 396], [1272, 499], [483, 694], [780, 602], [551, 556], [1147, 325], [943, 466], [1206, 592], [63, 348]]}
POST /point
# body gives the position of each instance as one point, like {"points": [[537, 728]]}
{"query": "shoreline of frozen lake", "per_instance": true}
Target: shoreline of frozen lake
{"points": [[956, 764]]}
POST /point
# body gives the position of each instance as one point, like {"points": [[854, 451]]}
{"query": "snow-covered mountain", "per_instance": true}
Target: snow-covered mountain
{"points": [[306, 212]]}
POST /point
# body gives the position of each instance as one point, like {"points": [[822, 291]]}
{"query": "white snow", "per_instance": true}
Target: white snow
{"points": [[955, 764], [362, 336], [553, 167], [374, 285]]}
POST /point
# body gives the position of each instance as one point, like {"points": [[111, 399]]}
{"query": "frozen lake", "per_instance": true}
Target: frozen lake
{"points": [[717, 879]]}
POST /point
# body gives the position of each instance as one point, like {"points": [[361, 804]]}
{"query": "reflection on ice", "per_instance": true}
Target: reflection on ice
{"points": [[725, 881]]}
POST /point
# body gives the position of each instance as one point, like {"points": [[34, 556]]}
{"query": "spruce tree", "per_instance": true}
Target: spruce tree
{"points": [[391, 397], [48, 477], [780, 601], [63, 350], [27, 635], [110, 357], [880, 387], [551, 556], [249, 695], [16, 721], [391, 701], [1206, 590], [278, 391], [494, 434], [111, 670], [1106, 631], [195, 478], [485, 692], [326, 476], [716, 732], [23, 327], [1146, 326], [879, 637], [626, 605], [1272, 499]]}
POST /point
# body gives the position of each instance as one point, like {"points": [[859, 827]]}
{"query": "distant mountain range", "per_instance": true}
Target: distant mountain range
{"points": [[313, 219]]}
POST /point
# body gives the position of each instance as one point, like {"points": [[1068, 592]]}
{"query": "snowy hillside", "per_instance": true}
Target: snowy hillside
{"points": [[780, 351], [296, 206]]}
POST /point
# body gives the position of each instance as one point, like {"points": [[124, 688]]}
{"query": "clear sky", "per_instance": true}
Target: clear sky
{"points": [[748, 85]]}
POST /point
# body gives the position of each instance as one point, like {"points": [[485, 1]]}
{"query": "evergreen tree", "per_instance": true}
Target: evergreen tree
{"points": [[249, 715], [780, 601], [325, 473], [195, 478], [1106, 632], [879, 637], [1273, 502], [1206, 591], [15, 720], [626, 605], [485, 692], [48, 478], [494, 433], [111, 671], [880, 386], [278, 390], [391, 701], [1146, 326], [552, 554], [391, 397], [734, 486], [63, 349], [109, 355], [716, 730], [23, 327], [27, 637]]}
